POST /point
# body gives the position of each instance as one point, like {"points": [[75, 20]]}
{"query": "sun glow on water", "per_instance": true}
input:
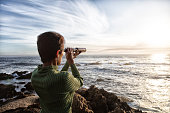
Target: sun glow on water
{"points": [[159, 58]]}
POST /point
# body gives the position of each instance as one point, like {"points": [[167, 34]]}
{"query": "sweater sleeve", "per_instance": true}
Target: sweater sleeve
{"points": [[65, 67], [74, 81]]}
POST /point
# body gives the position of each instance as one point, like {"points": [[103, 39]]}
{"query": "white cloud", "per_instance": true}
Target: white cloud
{"points": [[83, 22]]}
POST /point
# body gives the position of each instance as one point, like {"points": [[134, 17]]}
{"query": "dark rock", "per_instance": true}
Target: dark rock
{"points": [[102, 101], [83, 92], [94, 63], [92, 100], [21, 83], [20, 95], [97, 100], [118, 110], [1, 102], [7, 91], [99, 80], [26, 76], [4, 76], [80, 105], [29, 87], [77, 64], [23, 89], [27, 93], [111, 98], [19, 73]]}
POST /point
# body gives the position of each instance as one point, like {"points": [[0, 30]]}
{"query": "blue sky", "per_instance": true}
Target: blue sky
{"points": [[102, 26]]}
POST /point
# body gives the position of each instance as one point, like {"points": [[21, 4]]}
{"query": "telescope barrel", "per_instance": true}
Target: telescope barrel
{"points": [[76, 49]]}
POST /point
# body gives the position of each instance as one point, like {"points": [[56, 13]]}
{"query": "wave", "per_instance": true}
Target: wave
{"points": [[93, 63], [23, 64]]}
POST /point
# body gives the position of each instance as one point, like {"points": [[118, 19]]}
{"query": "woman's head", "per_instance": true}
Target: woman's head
{"points": [[49, 44]]}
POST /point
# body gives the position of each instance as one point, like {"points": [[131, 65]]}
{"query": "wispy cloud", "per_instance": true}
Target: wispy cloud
{"points": [[94, 24], [27, 19]]}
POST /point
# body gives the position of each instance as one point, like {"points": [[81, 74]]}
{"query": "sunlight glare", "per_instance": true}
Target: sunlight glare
{"points": [[158, 58]]}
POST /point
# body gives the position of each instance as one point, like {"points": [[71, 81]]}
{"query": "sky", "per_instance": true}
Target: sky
{"points": [[101, 26]]}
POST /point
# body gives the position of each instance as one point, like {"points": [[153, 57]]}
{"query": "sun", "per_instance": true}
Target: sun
{"points": [[155, 32]]}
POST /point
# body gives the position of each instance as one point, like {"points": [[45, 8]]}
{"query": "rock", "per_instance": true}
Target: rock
{"points": [[26, 76], [118, 110], [92, 100], [29, 87], [80, 105], [99, 80], [25, 105], [1, 102], [7, 91], [20, 73], [4, 76], [127, 64], [23, 89], [20, 82], [124, 99], [30, 109], [20, 95], [102, 101], [111, 98], [83, 92], [94, 63], [77, 64], [97, 100]]}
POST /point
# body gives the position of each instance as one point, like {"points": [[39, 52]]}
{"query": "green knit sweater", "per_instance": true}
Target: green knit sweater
{"points": [[56, 88]]}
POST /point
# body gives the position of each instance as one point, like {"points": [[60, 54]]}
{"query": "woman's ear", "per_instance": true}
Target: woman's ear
{"points": [[57, 53]]}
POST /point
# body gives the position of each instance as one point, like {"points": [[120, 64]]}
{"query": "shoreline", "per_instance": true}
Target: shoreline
{"points": [[91, 100]]}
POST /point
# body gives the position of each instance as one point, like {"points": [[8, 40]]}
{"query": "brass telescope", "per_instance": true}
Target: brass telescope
{"points": [[80, 50]]}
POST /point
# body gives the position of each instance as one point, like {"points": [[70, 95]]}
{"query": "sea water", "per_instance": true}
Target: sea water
{"points": [[142, 79]]}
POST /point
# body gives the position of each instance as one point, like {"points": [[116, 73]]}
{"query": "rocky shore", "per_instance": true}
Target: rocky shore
{"points": [[92, 100]]}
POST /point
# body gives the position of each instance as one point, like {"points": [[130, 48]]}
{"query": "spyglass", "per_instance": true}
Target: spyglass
{"points": [[77, 50]]}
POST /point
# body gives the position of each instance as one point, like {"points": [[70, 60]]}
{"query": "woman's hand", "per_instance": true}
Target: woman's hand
{"points": [[75, 54], [70, 55]]}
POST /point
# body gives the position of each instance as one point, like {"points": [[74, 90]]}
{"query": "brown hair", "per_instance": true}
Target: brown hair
{"points": [[48, 44]]}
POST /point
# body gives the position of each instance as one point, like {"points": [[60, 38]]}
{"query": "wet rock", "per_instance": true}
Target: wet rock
{"points": [[4, 76], [7, 91], [21, 83], [94, 63], [77, 64], [124, 99], [27, 93], [20, 73], [127, 63], [80, 105], [99, 80], [29, 87], [25, 76], [23, 89], [20, 95]]}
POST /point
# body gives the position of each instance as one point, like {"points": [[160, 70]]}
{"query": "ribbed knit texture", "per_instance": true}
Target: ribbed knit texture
{"points": [[56, 88]]}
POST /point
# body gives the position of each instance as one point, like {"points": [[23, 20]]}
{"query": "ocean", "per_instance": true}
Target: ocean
{"points": [[143, 79]]}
